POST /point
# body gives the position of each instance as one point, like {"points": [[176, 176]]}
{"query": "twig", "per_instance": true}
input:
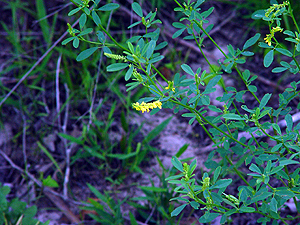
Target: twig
{"points": [[51, 14], [35, 65], [97, 76], [68, 150], [52, 195], [57, 90], [150, 215], [281, 123], [24, 142], [63, 126], [13, 165]]}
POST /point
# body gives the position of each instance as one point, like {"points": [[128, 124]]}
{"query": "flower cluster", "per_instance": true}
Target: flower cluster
{"points": [[269, 37], [146, 106], [137, 75], [275, 9], [170, 86], [116, 57]]}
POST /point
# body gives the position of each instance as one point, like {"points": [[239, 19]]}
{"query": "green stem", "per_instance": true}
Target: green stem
{"points": [[204, 119], [238, 172], [293, 18]]}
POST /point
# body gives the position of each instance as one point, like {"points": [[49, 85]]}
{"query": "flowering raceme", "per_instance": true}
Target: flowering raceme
{"points": [[269, 37], [146, 106]]}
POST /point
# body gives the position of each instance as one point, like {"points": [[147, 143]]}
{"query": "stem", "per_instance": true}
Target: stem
{"points": [[214, 126], [238, 172], [293, 18]]}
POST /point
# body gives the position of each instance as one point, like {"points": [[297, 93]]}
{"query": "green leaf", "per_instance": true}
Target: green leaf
{"points": [[208, 217], [100, 36], [72, 12], [268, 59], [182, 150], [132, 219], [178, 210], [284, 52], [279, 69], [179, 25], [174, 177], [214, 108], [49, 182], [261, 195], [86, 31], [247, 53], [116, 67], [76, 42], [96, 18], [264, 45], [151, 48], [252, 88], [195, 205], [285, 194], [177, 164], [67, 40], [273, 205], [276, 169], [246, 209], [298, 47], [186, 68], [232, 116], [213, 82], [156, 59], [137, 9], [82, 20], [49, 156], [97, 193], [258, 14], [86, 53], [153, 189], [289, 33], [161, 45], [156, 131], [205, 99], [129, 73], [71, 138], [122, 156], [178, 33], [254, 168], [289, 122], [251, 41], [86, 11], [221, 184], [264, 101], [287, 162], [132, 25], [276, 127], [109, 7], [217, 173]]}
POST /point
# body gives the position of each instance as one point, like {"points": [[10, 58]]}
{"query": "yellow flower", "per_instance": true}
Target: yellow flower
{"points": [[146, 106], [269, 37], [170, 86], [116, 57], [276, 8], [205, 183]]}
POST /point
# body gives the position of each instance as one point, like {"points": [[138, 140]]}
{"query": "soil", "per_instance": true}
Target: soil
{"points": [[17, 145]]}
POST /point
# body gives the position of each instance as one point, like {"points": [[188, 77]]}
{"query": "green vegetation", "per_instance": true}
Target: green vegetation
{"points": [[76, 92]]}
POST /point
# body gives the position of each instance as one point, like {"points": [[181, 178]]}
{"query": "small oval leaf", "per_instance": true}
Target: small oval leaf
{"points": [[86, 53]]}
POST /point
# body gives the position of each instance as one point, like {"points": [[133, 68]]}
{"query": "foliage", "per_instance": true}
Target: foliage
{"points": [[104, 209], [16, 212], [114, 157], [270, 181], [157, 207]]}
